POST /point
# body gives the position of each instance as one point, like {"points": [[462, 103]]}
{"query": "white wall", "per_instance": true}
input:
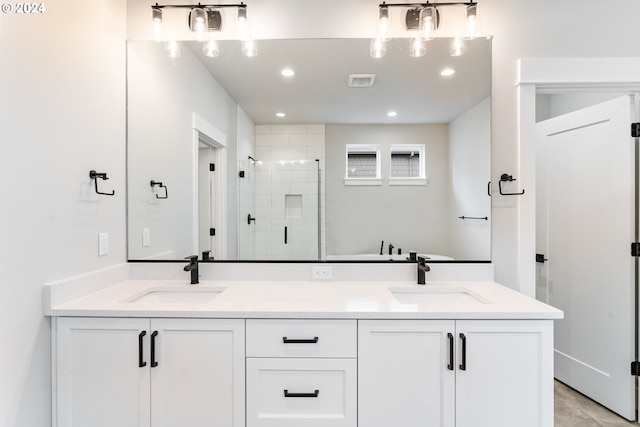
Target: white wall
{"points": [[246, 131], [61, 114], [470, 171]]}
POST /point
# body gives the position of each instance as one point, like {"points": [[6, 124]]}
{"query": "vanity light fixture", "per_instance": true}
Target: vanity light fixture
{"points": [[156, 16], [204, 19], [425, 19], [457, 46], [384, 24], [173, 49], [210, 48]]}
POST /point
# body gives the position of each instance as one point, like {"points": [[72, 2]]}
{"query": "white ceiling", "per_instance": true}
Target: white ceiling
{"points": [[318, 92]]}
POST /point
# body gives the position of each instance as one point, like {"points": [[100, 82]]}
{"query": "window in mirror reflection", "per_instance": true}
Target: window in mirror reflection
{"points": [[407, 161], [363, 161]]}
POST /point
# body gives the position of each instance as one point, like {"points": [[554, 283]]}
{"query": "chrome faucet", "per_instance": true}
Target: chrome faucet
{"points": [[391, 249], [422, 270], [193, 268]]}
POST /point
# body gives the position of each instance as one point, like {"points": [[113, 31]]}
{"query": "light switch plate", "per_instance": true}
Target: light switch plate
{"points": [[103, 244], [146, 237]]}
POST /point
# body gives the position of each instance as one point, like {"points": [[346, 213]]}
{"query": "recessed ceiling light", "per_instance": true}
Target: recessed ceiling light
{"points": [[447, 72], [280, 114], [392, 114], [287, 72]]}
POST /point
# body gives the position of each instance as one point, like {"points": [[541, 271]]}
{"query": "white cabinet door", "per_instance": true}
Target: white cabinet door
{"points": [[199, 377], [99, 380], [405, 377], [508, 373], [140, 372]]}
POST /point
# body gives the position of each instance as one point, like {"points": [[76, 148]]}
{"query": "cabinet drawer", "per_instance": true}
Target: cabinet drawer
{"points": [[301, 392], [301, 338]]}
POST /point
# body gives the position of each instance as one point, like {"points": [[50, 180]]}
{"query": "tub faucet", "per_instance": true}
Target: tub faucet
{"points": [[391, 249], [193, 268], [422, 270]]}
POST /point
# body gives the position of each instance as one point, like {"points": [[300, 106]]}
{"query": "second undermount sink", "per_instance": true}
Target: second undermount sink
{"points": [[439, 295], [175, 295]]}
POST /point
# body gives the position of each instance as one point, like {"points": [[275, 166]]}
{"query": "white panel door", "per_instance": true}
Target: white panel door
{"points": [[585, 216], [199, 376], [405, 373], [101, 381]]}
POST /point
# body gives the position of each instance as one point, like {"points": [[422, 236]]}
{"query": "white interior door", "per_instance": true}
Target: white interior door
{"points": [[585, 221]]}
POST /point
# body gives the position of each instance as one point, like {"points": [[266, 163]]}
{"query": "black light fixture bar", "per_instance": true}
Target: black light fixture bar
{"points": [[385, 4], [191, 6]]}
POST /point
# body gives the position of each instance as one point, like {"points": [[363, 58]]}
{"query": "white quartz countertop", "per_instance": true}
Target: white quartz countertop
{"points": [[303, 299]]}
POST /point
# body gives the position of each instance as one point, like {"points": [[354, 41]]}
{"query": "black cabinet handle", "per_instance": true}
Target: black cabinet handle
{"points": [[297, 341], [450, 365], [154, 334], [285, 235], [463, 365], [141, 362], [314, 394]]}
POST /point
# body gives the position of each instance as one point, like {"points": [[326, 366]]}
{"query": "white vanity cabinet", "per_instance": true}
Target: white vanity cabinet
{"points": [[464, 373], [136, 372], [301, 373]]}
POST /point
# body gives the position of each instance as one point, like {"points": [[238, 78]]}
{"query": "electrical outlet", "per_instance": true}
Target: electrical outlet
{"points": [[146, 237], [103, 244], [321, 273]]}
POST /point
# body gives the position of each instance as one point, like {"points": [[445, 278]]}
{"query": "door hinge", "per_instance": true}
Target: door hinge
{"points": [[635, 249], [635, 368], [212, 232], [635, 130], [212, 167]]}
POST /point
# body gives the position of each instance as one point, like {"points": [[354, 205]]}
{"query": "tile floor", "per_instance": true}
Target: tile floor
{"points": [[573, 409]]}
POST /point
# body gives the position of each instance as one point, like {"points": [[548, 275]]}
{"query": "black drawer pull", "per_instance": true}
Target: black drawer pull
{"points": [[463, 365], [314, 394], [450, 365], [297, 341], [141, 362], [154, 334]]}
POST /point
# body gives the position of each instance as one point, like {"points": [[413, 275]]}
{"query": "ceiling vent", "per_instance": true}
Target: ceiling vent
{"points": [[361, 80]]}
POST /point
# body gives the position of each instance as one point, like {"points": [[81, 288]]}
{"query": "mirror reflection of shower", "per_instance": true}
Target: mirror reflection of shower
{"points": [[286, 209]]}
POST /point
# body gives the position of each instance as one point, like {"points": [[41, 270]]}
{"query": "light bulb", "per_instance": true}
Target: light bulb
{"points": [[457, 46], [472, 22], [198, 22], [429, 22], [377, 48], [249, 47], [173, 49], [417, 47], [384, 23], [156, 16], [242, 23], [210, 48]]}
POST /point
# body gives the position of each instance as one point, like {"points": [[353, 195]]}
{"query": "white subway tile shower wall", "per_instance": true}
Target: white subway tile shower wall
{"points": [[281, 176]]}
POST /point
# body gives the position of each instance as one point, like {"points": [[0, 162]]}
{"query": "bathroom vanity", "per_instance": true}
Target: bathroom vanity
{"points": [[267, 354]]}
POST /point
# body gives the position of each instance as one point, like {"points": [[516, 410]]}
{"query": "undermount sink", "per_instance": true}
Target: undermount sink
{"points": [[168, 295], [436, 296]]}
